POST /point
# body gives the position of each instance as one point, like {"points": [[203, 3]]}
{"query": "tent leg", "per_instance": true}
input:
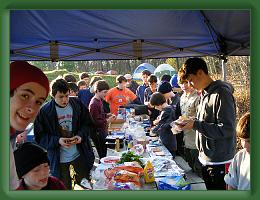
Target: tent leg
{"points": [[224, 70]]}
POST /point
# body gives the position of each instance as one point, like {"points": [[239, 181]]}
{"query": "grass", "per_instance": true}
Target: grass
{"points": [[56, 73]]}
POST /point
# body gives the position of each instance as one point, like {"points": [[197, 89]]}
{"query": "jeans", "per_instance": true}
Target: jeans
{"points": [[213, 176], [191, 156], [99, 141], [79, 168]]}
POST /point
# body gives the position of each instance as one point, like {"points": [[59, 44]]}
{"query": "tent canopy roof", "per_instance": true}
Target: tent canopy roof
{"points": [[127, 34]]}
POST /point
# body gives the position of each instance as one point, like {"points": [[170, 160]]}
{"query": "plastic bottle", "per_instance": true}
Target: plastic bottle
{"points": [[132, 112], [149, 172], [117, 146], [130, 142]]}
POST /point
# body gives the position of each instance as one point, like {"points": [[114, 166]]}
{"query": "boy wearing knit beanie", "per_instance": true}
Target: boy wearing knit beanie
{"points": [[166, 89], [32, 166]]}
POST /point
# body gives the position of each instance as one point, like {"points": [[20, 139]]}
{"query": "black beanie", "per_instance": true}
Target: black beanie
{"points": [[29, 156], [165, 87]]}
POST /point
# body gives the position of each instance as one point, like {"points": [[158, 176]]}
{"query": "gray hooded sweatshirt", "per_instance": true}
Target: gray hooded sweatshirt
{"points": [[215, 123]]}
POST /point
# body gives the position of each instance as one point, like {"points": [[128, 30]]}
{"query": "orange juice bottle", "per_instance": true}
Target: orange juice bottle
{"points": [[148, 172]]}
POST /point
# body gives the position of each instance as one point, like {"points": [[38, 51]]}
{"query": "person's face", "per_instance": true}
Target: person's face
{"points": [[195, 80], [145, 78], [153, 86], [37, 178], [62, 99], [128, 82], [122, 85], [86, 80], [102, 93], [82, 87], [72, 93], [158, 107], [25, 104], [186, 87], [245, 144]]}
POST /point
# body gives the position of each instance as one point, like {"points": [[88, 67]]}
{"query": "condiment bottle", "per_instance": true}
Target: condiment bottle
{"points": [[149, 172], [117, 145]]}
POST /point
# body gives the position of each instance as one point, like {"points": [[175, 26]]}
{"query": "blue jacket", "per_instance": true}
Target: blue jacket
{"points": [[85, 96], [140, 93], [46, 131], [163, 128]]}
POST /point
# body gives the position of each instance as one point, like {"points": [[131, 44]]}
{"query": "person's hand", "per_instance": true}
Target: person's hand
{"points": [[152, 134], [21, 138], [156, 121], [67, 142], [75, 139], [175, 129], [188, 125], [64, 142], [128, 100], [111, 118]]}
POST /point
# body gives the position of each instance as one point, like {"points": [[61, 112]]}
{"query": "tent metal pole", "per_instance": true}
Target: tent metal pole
{"points": [[32, 47], [41, 58], [54, 51], [210, 29], [242, 46], [137, 48], [224, 70]]}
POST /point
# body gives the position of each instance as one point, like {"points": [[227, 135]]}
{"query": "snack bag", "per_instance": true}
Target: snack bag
{"points": [[124, 176]]}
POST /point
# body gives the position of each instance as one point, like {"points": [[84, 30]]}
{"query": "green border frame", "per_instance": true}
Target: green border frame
{"points": [[7, 5]]}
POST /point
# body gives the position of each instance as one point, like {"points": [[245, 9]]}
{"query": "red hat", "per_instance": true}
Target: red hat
{"points": [[22, 72]]}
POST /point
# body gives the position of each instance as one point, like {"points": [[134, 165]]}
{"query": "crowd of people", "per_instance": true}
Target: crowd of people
{"points": [[79, 112]]}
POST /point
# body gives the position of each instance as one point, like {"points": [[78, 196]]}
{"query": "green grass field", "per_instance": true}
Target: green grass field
{"points": [[55, 73]]}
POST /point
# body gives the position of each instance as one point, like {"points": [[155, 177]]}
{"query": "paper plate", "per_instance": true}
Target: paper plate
{"points": [[109, 160]]}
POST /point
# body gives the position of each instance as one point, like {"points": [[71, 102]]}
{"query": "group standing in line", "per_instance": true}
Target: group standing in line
{"points": [[79, 112]]}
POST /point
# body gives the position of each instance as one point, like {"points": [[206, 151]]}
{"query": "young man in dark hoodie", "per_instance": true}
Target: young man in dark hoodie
{"points": [[214, 124]]}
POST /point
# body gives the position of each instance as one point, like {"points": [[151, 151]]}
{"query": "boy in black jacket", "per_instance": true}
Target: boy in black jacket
{"points": [[62, 127], [163, 128]]}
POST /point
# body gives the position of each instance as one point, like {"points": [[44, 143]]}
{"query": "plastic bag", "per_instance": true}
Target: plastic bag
{"points": [[173, 183]]}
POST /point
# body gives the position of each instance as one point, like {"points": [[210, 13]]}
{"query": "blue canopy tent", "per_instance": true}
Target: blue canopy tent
{"points": [[164, 69], [127, 34], [138, 71]]}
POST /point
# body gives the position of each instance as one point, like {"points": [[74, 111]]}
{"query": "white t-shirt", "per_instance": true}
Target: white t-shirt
{"points": [[238, 176]]}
